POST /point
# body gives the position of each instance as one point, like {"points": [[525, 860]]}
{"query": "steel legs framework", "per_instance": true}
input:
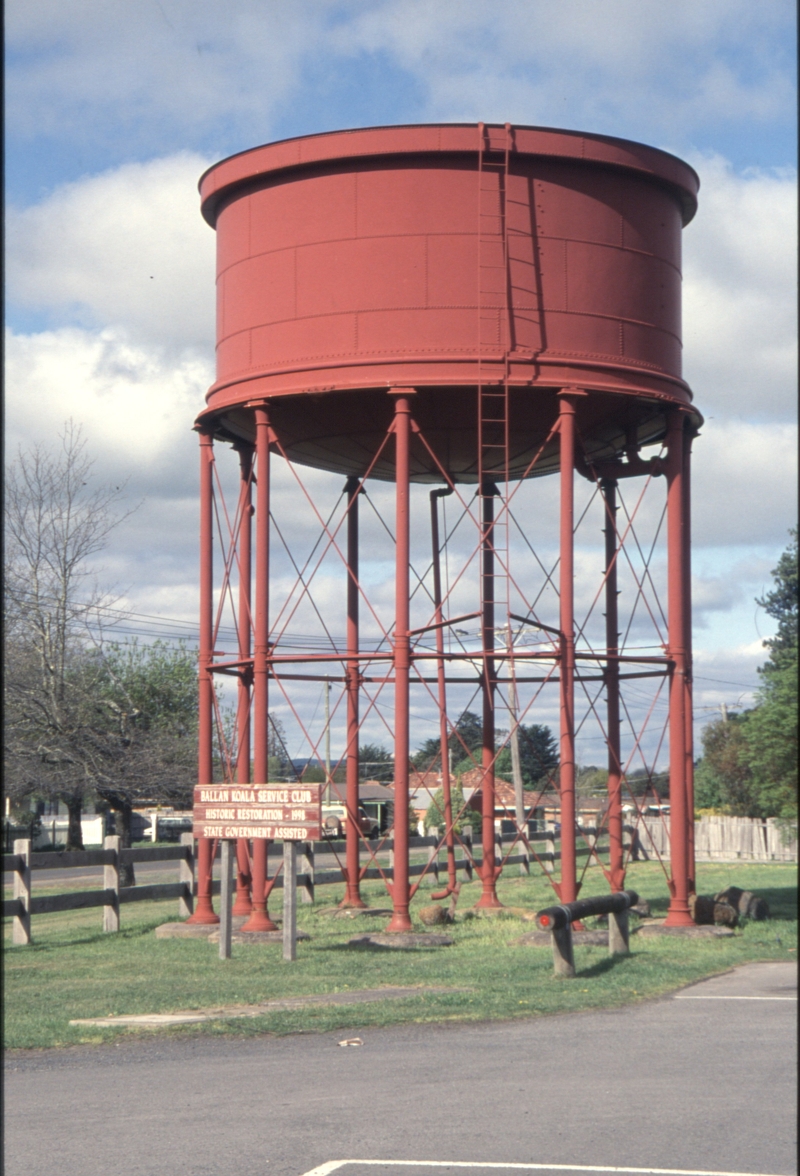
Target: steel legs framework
{"points": [[419, 651]]}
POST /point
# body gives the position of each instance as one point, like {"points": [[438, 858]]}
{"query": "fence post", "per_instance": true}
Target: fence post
{"points": [[433, 860], [618, 933], [466, 837], [186, 876], [21, 932], [111, 882], [549, 864], [225, 898], [525, 864], [307, 868], [563, 958], [289, 900]]}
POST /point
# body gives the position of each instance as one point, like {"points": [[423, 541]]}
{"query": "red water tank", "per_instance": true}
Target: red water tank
{"points": [[445, 258]]}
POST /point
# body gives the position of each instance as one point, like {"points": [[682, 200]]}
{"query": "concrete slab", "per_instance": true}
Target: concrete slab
{"points": [[695, 932], [402, 941]]}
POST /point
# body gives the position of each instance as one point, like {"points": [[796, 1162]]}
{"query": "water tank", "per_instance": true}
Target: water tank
{"points": [[447, 258]]}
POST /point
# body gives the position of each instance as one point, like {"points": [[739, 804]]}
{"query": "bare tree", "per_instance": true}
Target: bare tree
{"points": [[55, 523]]}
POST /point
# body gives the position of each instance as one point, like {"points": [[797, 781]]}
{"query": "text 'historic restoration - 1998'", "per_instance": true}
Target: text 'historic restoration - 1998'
{"points": [[271, 812]]}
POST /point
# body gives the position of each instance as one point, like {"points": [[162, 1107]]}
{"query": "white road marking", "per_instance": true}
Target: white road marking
{"points": [[333, 1166], [688, 996]]}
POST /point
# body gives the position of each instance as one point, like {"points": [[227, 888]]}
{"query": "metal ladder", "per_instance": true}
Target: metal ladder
{"points": [[494, 333]]}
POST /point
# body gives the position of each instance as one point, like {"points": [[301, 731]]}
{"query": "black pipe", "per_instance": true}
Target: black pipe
{"points": [[554, 918]]}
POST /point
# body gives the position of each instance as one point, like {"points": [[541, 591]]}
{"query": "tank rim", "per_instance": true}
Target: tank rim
{"points": [[213, 195]]}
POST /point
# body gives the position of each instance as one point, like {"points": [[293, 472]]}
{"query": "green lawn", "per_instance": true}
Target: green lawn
{"points": [[73, 970]]}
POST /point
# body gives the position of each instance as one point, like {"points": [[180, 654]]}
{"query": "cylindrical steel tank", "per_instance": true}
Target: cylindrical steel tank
{"points": [[445, 258]]}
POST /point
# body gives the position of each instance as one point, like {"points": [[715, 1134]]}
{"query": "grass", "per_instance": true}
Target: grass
{"points": [[73, 970]]}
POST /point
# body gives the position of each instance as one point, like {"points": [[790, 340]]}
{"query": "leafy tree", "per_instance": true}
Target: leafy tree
{"points": [[468, 734], [55, 521], [376, 762], [781, 605], [538, 755], [770, 736], [434, 816], [723, 778], [749, 764], [771, 729]]}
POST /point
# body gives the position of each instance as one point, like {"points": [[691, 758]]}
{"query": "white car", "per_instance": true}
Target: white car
{"points": [[334, 821]]}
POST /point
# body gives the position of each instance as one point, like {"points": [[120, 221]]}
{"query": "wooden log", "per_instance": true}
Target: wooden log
{"points": [[707, 911], [289, 900], [111, 883], [747, 904], [186, 876], [21, 930]]}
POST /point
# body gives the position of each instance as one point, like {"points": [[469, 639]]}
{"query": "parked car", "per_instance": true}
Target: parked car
{"points": [[334, 821]]}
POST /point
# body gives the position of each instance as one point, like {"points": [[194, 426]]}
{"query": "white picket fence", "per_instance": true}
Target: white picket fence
{"points": [[724, 839]]}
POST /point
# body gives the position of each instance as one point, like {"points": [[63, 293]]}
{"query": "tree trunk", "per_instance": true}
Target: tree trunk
{"points": [[74, 803], [127, 876]]}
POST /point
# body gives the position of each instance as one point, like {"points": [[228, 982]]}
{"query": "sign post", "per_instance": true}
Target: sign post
{"points": [[289, 900], [266, 812], [227, 854]]}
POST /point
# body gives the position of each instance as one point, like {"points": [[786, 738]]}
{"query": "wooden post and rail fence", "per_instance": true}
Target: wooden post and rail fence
{"points": [[762, 843]]}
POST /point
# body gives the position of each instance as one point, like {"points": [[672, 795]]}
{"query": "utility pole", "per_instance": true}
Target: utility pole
{"points": [[724, 711], [327, 741], [516, 767]]}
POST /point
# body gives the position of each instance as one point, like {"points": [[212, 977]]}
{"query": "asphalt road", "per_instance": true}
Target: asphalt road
{"points": [[89, 877], [705, 1081]]}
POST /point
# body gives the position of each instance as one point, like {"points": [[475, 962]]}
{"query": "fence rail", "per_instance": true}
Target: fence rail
{"points": [[22, 863]]}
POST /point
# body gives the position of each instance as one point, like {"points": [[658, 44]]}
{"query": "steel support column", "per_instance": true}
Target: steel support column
{"points": [[243, 904], [689, 703], [400, 920], [678, 914], [204, 911], [568, 890], [352, 896], [259, 919], [489, 869], [616, 855]]}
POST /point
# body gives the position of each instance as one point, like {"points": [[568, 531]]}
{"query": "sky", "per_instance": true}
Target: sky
{"points": [[114, 110]]}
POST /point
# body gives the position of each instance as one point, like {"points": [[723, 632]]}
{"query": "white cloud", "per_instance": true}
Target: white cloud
{"points": [[126, 248], [153, 71], [135, 405], [178, 68], [744, 479], [740, 301], [580, 63]]}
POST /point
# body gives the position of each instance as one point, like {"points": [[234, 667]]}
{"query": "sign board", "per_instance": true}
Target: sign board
{"points": [[273, 812]]}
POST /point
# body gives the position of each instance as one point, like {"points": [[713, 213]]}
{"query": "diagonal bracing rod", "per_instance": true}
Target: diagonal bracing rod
{"points": [[435, 495]]}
